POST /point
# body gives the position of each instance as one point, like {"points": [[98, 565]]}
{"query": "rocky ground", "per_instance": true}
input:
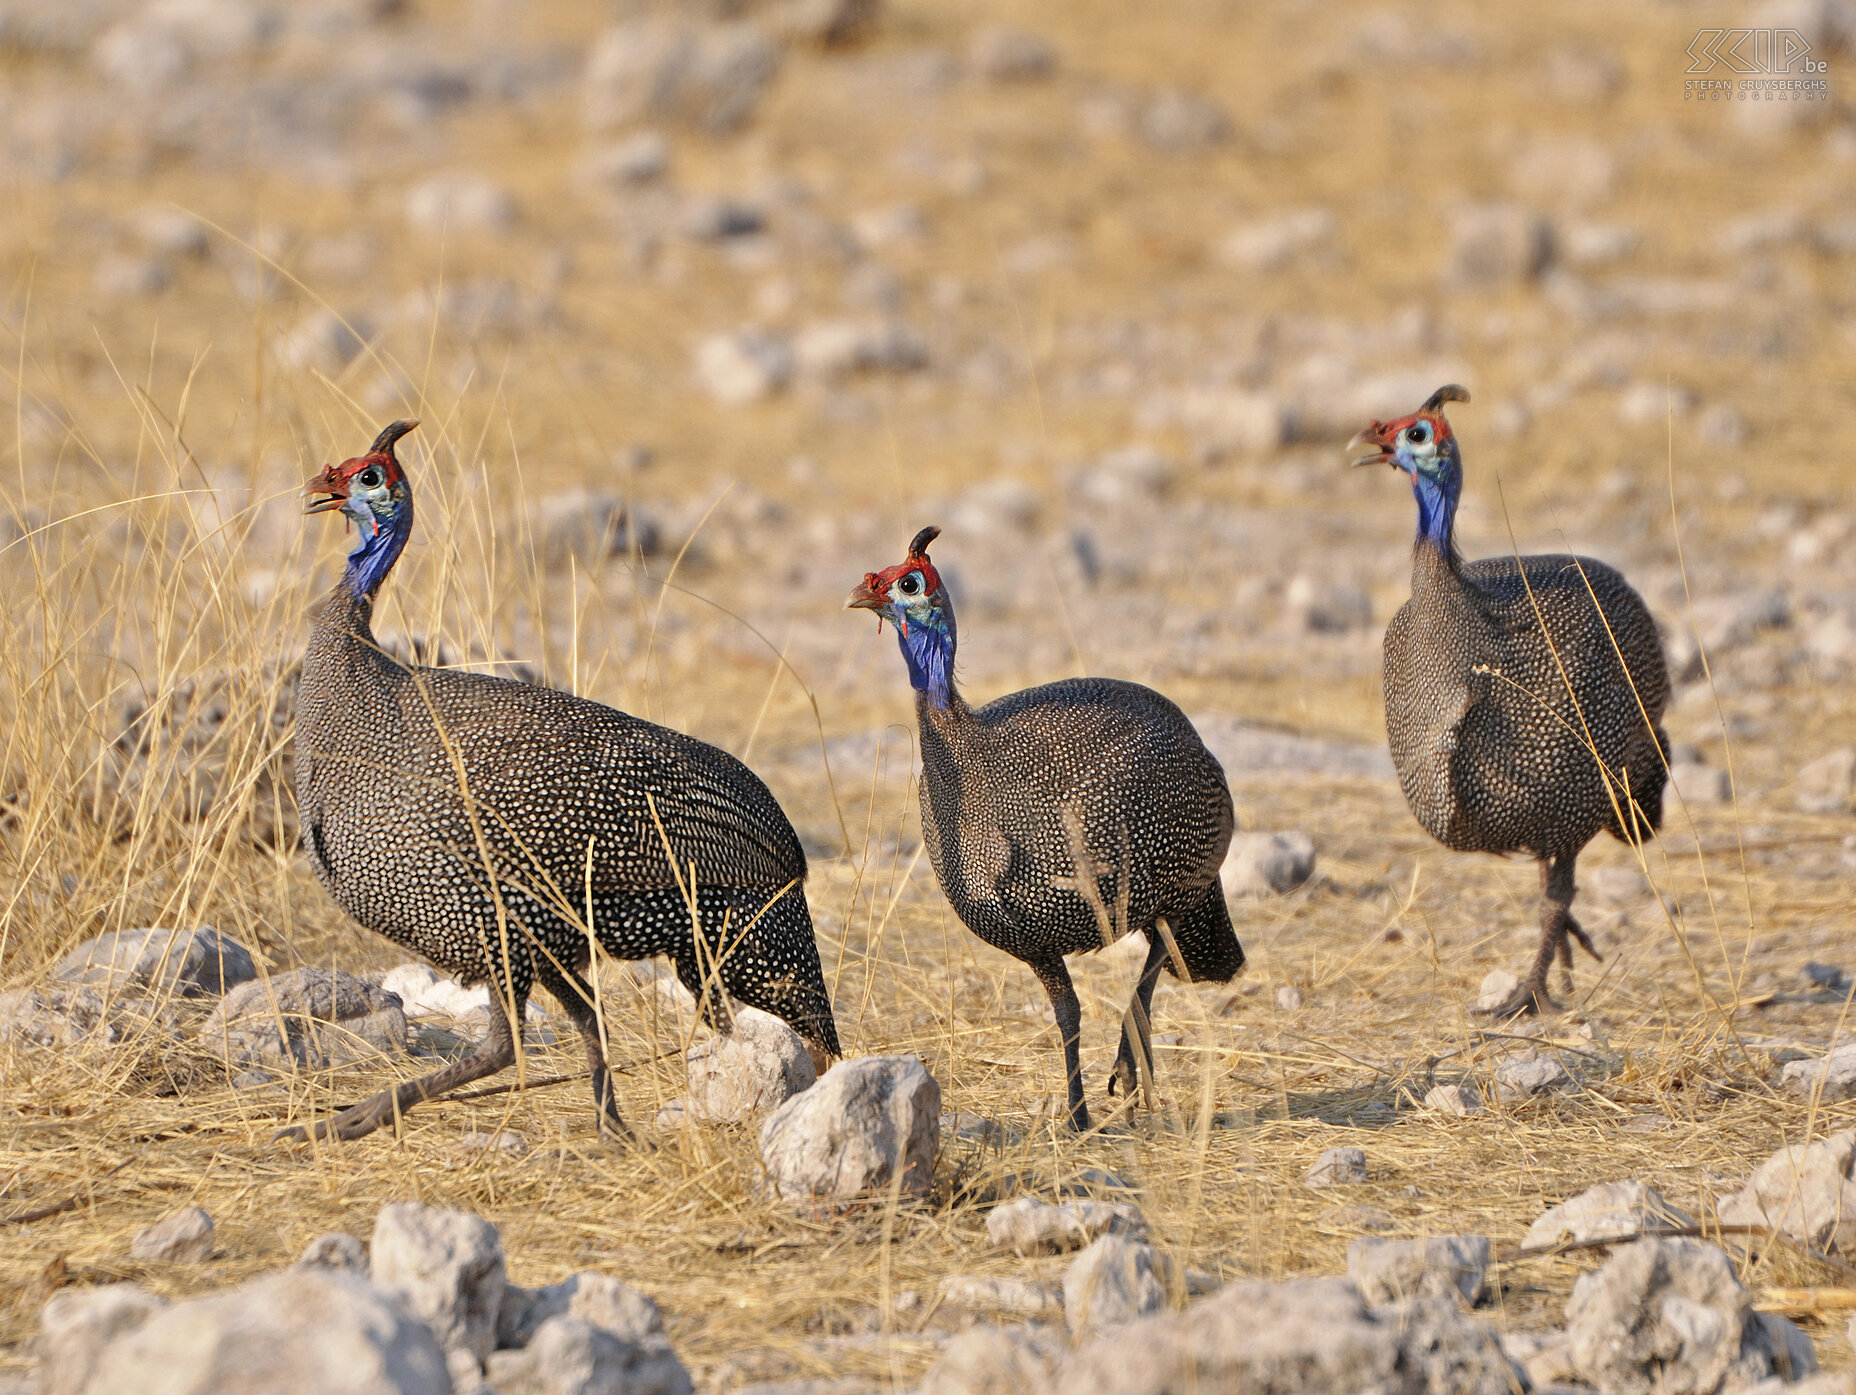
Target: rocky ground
{"points": [[705, 311]]}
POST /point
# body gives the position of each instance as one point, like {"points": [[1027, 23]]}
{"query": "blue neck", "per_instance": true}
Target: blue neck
{"points": [[1437, 498], [929, 649], [377, 551]]}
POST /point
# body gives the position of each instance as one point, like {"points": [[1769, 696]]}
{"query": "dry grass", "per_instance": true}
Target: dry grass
{"points": [[159, 568]]}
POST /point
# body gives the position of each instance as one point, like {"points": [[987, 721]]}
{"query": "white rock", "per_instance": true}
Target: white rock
{"points": [[737, 369], [864, 1121], [1625, 1210], [1832, 640], [424, 993], [1011, 55], [445, 1268], [1439, 1266], [459, 203], [1288, 998], [337, 1250], [637, 159], [1114, 1280], [324, 341], [1028, 1226], [1270, 243], [193, 963], [1702, 785], [1804, 1189], [1173, 119], [295, 1332], [996, 1361], [170, 232], [1829, 1080], [831, 349], [989, 1292], [1721, 427], [570, 1356], [1828, 784], [1124, 476], [472, 1146], [77, 1324], [1497, 986], [608, 1303], [1267, 864], [1337, 1166], [1616, 884], [120, 277], [667, 69], [1654, 402], [1499, 244], [1525, 1075], [1326, 606], [71, 1015], [314, 1017], [1459, 1101], [183, 1237], [757, 1066]]}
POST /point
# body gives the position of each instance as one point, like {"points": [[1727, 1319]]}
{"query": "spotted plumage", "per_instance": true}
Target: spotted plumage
{"points": [[1011, 789], [1523, 696], [412, 781]]}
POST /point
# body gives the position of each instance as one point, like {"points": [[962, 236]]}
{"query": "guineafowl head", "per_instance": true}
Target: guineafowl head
{"points": [[372, 492], [911, 595], [1425, 448]]}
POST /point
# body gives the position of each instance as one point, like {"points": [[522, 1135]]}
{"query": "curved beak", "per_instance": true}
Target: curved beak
{"points": [[1372, 439], [866, 597], [325, 484]]}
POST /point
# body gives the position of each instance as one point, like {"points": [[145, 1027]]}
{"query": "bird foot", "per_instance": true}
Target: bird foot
{"points": [[1528, 998], [357, 1122]]}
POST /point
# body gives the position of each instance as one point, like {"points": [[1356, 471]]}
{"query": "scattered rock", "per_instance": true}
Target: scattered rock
{"points": [[311, 1017], [862, 1123], [1028, 1226], [1370, 1219], [253, 1080], [1701, 784], [664, 68], [1830, 1079], [758, 1065], [324, 341], [1499, 244], [459, 204], [1304, 1337], [737, 369], [1439, 1266], [422, 991], [1828, 784], [593, 527], [1288, 998], [444, 1268], [1498, 985], [473, 1146], [77, 1324], [832, 349], [188, 961], [1824, 978], [637, 159], [120, 276], [570, 1356], [995, 1361], [1327, 607], [185, 1237], [1123, 476], [68, 1015], [1666, 1317], [1337, 1167], [1527, 1074], [1114, 1280], [296, 1332], [1721, 427], [1617, 884], [991, 1293], [606, 1302], [1267, 864], [1832, 639], [1805, 1190], [1626, 1210], [337, 1250], [1457, 1100], [1176, 120], [1011, 55], [1271, 243], [826, 22]]}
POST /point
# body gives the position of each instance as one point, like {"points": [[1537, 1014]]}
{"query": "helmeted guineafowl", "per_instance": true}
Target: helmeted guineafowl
{"points": [[482, 822], [1011, 789], [1523, 696]]}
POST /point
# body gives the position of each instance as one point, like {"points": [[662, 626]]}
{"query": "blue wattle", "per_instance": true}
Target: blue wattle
{"points": [[929, 651], [1437, 499], [377, 551]]}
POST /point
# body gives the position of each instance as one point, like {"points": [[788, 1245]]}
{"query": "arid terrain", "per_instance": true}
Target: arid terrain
{"points": [[698, 335]]}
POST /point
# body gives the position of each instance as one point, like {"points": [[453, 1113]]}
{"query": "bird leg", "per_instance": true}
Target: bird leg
{"points": [[1139, 1017], [1069, 1013], [496, 1052], [1557, 931], [575, 996]]}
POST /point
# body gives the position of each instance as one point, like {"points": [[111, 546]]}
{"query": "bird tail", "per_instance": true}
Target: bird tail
{"points": [[1642, 811], [1206, 939]]}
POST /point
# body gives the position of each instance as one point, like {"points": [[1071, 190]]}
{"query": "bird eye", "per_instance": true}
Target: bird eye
{"points": [[1418, 434], [910, 585], [371, 477]]}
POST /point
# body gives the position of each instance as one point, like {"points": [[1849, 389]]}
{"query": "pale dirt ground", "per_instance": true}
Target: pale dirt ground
{"points": [[1067, 280]]}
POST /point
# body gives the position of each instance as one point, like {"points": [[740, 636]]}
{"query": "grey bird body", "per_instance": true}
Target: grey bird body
{"points": [[486, 824], [1065, 816]]}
